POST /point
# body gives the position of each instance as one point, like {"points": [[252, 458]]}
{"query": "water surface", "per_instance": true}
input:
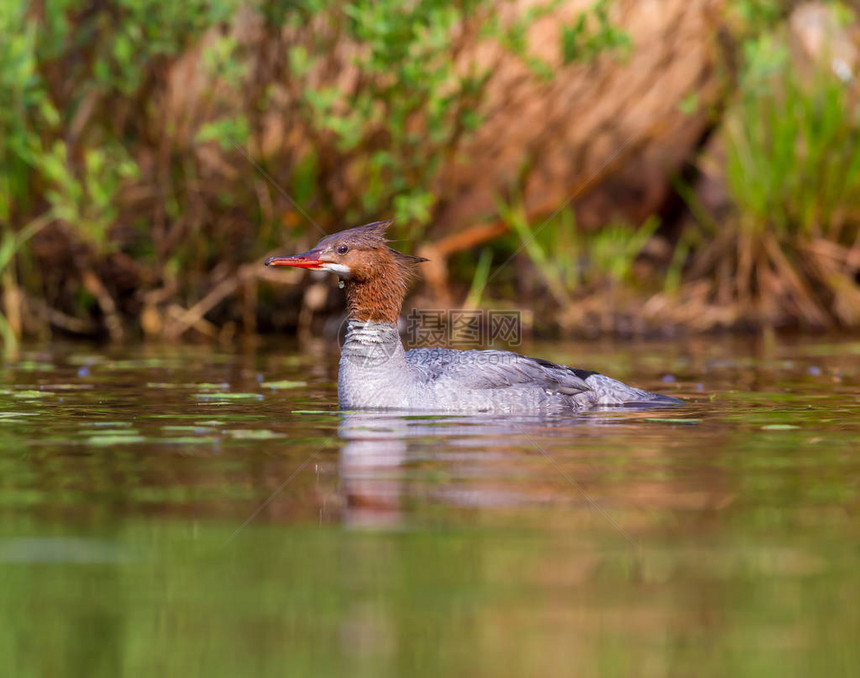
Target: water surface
{"points": [[194, 511]]}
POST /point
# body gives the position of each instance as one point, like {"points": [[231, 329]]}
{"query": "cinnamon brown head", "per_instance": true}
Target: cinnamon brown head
{"points": [[376, 277]]}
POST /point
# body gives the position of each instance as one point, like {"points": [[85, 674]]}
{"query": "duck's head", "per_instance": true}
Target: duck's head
{"points": [[376, 277]]}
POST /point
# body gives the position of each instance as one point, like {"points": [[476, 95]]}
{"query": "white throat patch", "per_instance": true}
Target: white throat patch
{"points": [[341, 269]]}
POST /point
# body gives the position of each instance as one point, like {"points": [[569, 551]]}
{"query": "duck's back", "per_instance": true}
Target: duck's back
{"points": [[503, 381]]}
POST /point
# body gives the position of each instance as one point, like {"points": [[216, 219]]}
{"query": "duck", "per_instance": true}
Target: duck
{"points": [[376, 372]]}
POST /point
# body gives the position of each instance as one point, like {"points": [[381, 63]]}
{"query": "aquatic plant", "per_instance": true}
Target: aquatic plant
{"points": [[790, 249], [586, 273]]}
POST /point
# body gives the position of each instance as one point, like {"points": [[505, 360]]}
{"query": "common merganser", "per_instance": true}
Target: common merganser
{"points": [[377, 373]]}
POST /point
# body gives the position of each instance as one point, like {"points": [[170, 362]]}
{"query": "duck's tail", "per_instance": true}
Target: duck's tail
{"points": [[608, 391]]}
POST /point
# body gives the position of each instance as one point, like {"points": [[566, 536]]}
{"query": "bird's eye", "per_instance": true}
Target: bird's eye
{"points": [[343, 249]]}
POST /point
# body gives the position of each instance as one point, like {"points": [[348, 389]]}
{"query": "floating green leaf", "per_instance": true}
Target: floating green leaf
{"points": [[214, 397], [253, 434], [284, 384], [116, 439]]}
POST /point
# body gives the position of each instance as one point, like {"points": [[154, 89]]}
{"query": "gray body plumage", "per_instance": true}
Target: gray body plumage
{"points": [[376, 372]]}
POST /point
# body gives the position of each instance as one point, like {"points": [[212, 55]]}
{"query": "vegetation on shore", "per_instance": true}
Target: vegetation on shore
{"points": [[151, 155]]}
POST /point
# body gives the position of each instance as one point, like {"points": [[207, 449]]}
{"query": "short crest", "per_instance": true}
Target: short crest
{"points": [[369, 236]]}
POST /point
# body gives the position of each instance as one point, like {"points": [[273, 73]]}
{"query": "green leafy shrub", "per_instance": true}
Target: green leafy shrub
{"points": [[376, 99]]}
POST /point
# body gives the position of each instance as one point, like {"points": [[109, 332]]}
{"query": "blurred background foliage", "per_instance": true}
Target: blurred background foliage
{"points": [[151, 154]]}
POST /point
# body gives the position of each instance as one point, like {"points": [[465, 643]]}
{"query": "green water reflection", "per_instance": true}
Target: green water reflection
{"points": [[186, 511]]}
